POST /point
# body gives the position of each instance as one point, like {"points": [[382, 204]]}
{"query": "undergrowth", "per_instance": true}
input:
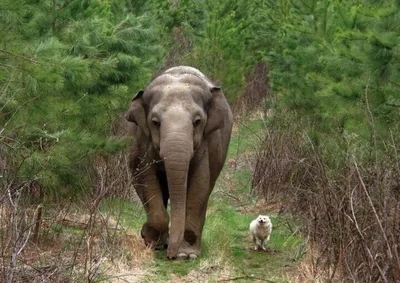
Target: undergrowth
{"points": [[345, 190], [97, 238]]}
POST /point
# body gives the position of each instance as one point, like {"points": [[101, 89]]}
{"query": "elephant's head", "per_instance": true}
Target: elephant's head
{"points": [[177, 112]]}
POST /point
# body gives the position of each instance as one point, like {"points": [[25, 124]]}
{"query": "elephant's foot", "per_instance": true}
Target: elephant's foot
{"points": [[153, 238], [190, 246], [184, 252], [188, 252], [186, 256]]}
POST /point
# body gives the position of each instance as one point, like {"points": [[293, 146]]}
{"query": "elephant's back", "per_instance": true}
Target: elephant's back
{"points": [[185, 75], [186, 70]]}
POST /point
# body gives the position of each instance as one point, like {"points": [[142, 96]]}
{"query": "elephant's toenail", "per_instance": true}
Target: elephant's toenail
{"points": [[192, 256], [182, 256]]}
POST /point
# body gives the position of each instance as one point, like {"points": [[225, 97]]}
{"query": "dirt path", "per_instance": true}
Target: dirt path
{"points": [[227, 245]]}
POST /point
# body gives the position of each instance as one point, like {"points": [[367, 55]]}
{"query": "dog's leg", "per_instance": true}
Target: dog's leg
{"points": [[262, 244], [259, 243], [255, 243]]}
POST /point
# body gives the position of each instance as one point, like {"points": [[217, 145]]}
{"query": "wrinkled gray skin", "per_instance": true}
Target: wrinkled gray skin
{"points": [[182, 126]]}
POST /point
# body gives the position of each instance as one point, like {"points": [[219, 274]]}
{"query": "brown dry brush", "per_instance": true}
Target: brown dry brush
{"points": [[116, 171], [351, 210], [255, 91], [43, 240], [181, 45]]}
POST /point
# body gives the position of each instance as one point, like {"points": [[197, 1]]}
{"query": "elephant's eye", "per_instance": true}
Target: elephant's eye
{"points": [[197, 121], [155, 122]]}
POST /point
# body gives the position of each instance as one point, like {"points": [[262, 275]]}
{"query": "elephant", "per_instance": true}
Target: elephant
{"points": [[182, 124]]}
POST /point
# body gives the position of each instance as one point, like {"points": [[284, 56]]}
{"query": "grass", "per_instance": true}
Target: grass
{"points": [[227, 247], [245, 136], [130, 214], [226, 243], [227, 253]]}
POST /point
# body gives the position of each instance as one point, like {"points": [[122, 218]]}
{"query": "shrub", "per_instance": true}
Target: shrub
{"points": [[350, 203]]}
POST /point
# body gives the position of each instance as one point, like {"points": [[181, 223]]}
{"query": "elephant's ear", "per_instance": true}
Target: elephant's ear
{"points": [[137, 114], [218, 111]]}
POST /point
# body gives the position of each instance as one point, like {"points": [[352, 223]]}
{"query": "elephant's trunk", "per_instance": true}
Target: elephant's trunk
{"points": [[176, 149]]}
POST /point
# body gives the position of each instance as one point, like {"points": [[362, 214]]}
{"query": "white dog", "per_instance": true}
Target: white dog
{"points": [[260, 229]]}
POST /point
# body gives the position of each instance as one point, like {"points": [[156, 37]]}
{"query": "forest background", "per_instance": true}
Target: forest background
{"points": [[324, 74]]}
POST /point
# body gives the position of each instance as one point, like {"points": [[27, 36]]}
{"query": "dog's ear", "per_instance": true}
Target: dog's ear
{"points": [[137, 114]]}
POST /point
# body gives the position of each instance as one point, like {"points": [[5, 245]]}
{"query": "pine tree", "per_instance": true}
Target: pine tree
{"points": [[67, 71], [221, 36], [336, 63]]}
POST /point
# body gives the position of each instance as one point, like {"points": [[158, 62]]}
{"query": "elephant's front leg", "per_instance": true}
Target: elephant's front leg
{"points": [[155, 230], [196, 206]]}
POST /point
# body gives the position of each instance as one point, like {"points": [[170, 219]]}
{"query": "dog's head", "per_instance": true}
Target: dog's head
{"points": [[262, 219]]}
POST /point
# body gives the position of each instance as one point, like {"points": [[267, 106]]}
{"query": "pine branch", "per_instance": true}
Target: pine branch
{"points": [[392, 104], [20, 56], [65, 5], [396, 84]]}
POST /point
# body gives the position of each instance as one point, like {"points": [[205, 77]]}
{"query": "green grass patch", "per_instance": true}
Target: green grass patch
{"points": [[165, 267], [226, 239], [280, 255], [242, 180], [227, 247], [129, 214], [246, 137]]}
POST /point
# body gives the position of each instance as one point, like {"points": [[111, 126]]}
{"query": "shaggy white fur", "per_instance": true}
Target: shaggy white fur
{"points": [[260, 229]]}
